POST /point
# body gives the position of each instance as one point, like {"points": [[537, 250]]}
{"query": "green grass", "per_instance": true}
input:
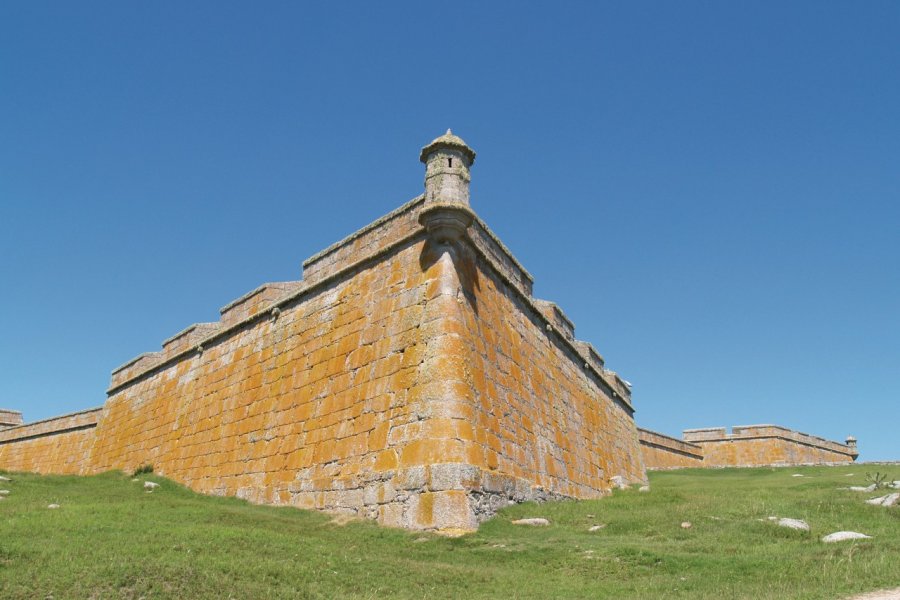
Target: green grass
{"points": [[110, 539]]}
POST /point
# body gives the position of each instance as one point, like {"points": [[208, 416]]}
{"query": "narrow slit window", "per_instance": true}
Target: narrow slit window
{"points": [[449, 162]]}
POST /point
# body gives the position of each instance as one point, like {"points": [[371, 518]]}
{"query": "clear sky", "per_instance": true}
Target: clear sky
{"points": [[710, 190]]}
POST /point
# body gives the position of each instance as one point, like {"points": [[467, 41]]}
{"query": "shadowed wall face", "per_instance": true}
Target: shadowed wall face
{"points": [[539, 415]]}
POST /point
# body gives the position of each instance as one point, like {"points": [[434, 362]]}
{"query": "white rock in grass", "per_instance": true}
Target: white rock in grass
{"points": [[895, 485], [4, 492], [686, 525], [594, 528], [793, 524], [840, 536], [644, 488], [859, 488], [52, 506], [2, 478], [536, 522], [618, 482], [798, 475], [150, 485], [888, 500]]}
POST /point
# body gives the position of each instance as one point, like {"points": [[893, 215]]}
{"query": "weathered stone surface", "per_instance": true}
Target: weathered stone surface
{"points": [[534, 522], [841, 536], [53, 506], [409, 378], [59, 445], [886, 500], [618, 482], [747, 446], [150, 485], [793, 524]]}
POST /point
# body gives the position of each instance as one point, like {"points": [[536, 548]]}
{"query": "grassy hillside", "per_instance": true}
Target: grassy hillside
{"points": [[111, 539]]}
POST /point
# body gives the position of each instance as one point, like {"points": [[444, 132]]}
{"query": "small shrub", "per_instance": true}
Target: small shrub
{"points": [[878, 479], [144, 470]]}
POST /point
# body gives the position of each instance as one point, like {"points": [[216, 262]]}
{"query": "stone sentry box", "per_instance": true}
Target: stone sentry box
{"points": [[409, 377]]}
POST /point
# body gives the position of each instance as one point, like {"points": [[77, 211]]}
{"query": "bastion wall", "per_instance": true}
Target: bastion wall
{"points": [[745, 446], [409, 377]]}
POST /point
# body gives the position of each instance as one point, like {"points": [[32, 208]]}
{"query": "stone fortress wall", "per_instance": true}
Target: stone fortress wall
{"points": [[409, 377], [58, 445], [746, 446]]}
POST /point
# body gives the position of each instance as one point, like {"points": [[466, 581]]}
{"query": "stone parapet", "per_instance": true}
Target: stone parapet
{"points": [[760, 445], [78, 420], [374, 237], [10, 418], [664, 452], [255, 301], [187, 339], [708, 433]]}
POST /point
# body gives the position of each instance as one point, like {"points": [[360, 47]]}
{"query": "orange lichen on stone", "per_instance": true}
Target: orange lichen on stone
{"points": [[663, 452], [410, 377], [58, 445], [747, 446]]}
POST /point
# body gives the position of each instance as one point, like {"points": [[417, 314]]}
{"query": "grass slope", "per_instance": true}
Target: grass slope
{"points": [[111, 539]]}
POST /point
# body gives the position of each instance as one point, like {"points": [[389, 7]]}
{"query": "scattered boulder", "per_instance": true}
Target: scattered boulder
{"points": [[887, 500], [594, 528], [798, 475], [618, 482], [686, 525], [150, 485], [895, 485], [135, 480], [793, 524], [859, 488], [840, 536], [4, 492], [644, 488], [52, 506], [535, 522], [2, 478]]}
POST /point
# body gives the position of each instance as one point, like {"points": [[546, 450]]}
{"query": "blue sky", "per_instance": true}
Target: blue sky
{"points": [[709, 190]]}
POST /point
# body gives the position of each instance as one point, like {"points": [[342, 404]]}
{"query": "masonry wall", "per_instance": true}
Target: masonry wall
{"points": [[766, 445], [542, 414], [295, 409], [59, 445], [661, 452], [403, 379]]}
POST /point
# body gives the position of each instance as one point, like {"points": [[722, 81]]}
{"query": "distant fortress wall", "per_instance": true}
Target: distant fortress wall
{"points": [[58, 445], [746, 446], [664, 452]]}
